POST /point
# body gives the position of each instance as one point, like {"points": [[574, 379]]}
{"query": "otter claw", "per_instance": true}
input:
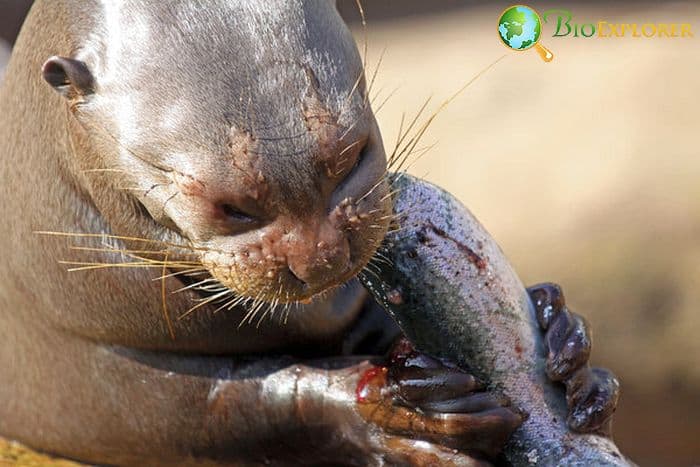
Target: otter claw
{"points": [[568, 345], [420, 381], [592, 395], [549, 302], [471, 403]]}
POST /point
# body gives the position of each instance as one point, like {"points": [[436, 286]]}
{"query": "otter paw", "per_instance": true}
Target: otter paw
{"points": [[591, 393], [420, 397]]}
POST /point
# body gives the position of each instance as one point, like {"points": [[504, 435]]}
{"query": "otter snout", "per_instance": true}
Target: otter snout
{"points": [[317, 256], [293, 258]]}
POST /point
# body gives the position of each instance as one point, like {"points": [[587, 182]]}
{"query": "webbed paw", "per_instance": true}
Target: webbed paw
{"points": [[591, 393], [417, 396]]}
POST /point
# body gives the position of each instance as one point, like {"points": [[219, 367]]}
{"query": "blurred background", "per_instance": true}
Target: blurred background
{"points": [[586, 170]]}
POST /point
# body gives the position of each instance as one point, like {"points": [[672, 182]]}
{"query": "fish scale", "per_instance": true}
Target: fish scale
{"points": [[456, 297]]}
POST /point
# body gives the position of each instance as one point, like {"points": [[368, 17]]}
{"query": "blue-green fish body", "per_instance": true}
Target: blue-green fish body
{"points": [[454, 294]]}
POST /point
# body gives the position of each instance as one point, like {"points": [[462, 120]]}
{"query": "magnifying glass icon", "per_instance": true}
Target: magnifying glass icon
{"points": [[520, 28]]}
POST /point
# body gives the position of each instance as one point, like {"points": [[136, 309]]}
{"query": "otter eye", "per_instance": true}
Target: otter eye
{"points": [[234, 214], [360, 159]]}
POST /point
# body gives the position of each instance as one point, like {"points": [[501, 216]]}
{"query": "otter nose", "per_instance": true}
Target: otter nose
{"points": [[318, 260]]}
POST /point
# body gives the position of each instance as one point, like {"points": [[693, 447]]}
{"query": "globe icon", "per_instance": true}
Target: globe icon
{"points": [[519, 27]]}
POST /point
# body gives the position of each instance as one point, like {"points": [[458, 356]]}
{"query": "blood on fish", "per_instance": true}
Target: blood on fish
{"points": [[473, 258], [375, 376]]}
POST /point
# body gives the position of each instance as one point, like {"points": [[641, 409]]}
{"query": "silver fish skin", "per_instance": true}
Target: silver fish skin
{"points": [[456, 297]]}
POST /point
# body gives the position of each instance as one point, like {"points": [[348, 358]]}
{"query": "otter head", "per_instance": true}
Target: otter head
{"points": [[242, 128]]}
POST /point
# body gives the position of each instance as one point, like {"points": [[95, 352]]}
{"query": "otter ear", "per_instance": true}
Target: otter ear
{"points": [[68, 77]]}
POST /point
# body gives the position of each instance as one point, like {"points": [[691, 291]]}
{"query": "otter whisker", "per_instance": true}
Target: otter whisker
{"points": [[252, 310], [386, 99], [213, 288], [405, 153], [355, 86], [159, 261], [187, 272], [366, 101], [191, 286], [142, 259], [416, 159], [138, 258], [420, 153], [422, 148], [202, 303], [119, 237], [394, 230], [374, 98], [283, 313], [389, 195], [273, 308], [277, 298], [289, 310], [361, 74], [363, 18], [228, 304], [249, 310], [343, 159], [371, 190], [398, 135], [400, 150], [108, 249], [406, 150], [413, 142], [181, 246], [402, 137], [85, 266], [163, 294], [374, 75], [258, 309], [263, 315], [237, 301], [348, 147], [392, 216], [347, 131]]}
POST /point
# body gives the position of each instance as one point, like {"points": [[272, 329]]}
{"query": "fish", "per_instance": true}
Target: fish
{"points": [[455, 296]]}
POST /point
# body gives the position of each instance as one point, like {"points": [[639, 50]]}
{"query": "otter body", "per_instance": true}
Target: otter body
{"points": [[100, 377], [228, 154]]}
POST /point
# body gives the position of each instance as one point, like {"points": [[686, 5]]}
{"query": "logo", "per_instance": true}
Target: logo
{"points": [[520, 28], [565, 26]]}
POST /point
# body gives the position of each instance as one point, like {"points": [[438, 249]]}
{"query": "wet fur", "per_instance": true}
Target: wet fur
{"points": [[73, 381]]}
